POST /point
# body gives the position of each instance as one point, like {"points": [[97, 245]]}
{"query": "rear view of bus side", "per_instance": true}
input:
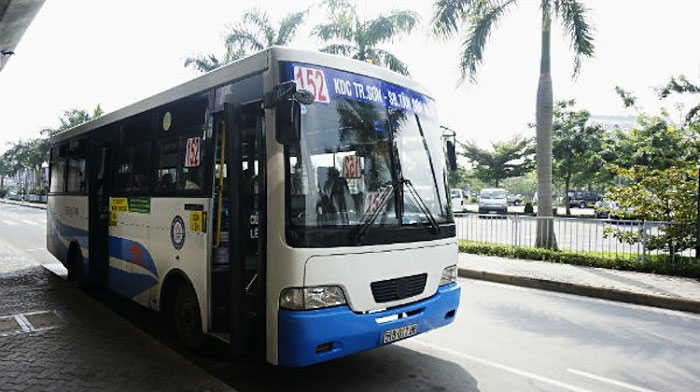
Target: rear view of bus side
{"points": [[293, 204]]}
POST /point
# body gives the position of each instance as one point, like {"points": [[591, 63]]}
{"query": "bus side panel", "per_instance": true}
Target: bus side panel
{"points": [[194, 247], [67, 221], [151, 238]]}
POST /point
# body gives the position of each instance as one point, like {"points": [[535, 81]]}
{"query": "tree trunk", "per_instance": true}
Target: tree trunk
{"points": [[543, 153]]}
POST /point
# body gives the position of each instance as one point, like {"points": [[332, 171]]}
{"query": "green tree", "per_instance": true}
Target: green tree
{"points": [[253, 33], [575, 145], [511, 158], [667, 195], [479, 17], [358, 38]]}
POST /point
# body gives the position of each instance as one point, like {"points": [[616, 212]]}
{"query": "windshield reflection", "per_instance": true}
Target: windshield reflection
{"points": [[351, 153]]}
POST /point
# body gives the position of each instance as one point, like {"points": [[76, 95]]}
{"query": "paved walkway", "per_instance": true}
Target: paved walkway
{"points": [[24, 203], [54, 337], [625, 286]]}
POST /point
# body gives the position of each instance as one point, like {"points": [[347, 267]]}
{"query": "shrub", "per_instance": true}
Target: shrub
{"points": [[658, 264]]}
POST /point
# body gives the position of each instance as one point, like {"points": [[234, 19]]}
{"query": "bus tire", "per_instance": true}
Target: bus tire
{"points": [[75, 266], [186, 318]]}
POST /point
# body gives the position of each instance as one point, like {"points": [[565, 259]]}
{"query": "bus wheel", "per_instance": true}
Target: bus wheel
{"points": [[76, 271], [187, 318]]}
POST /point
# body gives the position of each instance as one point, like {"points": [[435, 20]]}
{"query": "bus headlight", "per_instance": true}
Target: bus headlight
{"points": [[303, 298], [449, 275]]}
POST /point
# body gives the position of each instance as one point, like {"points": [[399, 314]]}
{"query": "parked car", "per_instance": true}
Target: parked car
{"points": [[516, 199], [14, 196], [611, 210], [583, 199], [493, 199], [458, 197]]}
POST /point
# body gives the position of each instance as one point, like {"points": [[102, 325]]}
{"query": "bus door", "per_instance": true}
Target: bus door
{"points": [[246, 198], [98, 205]]}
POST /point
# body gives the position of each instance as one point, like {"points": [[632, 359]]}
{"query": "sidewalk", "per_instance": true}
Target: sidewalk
{"points": [[662, 291], [24, 203], [55, 337]]}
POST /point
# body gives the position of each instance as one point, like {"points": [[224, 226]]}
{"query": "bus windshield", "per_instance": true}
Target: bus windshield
{"points": [[354, 157]]}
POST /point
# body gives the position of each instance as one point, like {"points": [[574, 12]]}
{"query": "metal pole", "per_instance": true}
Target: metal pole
{"points": [[697, 233]]}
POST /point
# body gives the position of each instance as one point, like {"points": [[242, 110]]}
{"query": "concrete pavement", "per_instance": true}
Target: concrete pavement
{"points": [[662, 291]]}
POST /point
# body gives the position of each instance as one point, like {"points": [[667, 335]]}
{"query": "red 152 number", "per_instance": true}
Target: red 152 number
{"points": [[314, 80]]}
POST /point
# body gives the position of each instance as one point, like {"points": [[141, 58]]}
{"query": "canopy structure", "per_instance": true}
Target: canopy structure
{"points": [[15, 17]]}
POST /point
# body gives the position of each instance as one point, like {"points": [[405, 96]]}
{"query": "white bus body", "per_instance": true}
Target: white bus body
{"points": [[135, 209]]}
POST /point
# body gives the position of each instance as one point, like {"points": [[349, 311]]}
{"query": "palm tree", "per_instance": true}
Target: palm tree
{"points": [[254, 33], [479, 17], [357, 38]]}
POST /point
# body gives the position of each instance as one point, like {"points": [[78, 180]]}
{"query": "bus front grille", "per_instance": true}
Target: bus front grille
{"points": [[399, 288]]}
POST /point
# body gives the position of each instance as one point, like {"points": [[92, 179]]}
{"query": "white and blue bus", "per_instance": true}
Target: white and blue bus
{"points": [[292, 203]]}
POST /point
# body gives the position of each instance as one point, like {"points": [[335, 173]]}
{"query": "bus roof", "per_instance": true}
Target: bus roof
{"points": [[254, 64]]}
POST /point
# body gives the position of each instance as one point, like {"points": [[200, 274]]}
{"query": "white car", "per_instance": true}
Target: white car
{"points": [[458, 203], [493, 199]]}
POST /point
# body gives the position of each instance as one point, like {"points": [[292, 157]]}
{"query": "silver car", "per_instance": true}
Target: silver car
{"points": [[493, 199]]}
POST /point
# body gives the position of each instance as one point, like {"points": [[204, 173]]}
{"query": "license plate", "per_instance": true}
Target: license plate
{"points": [[395, 334]]}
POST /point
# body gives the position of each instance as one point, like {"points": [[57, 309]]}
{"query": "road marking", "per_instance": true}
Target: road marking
{"points": [[29, 222], [610, 381], [513, 370], [9, 222]]}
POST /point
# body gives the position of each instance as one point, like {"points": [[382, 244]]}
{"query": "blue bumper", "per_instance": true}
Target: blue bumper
{"points": [[338, 331]]}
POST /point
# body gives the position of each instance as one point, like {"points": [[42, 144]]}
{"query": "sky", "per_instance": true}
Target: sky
{"points": [[80, 53]]}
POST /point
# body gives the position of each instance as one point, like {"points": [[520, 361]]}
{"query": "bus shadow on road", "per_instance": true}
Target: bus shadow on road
{"points": [[390, 368]]}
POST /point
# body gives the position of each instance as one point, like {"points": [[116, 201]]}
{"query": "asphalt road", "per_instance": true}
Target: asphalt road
{"points": [[504, 338]]}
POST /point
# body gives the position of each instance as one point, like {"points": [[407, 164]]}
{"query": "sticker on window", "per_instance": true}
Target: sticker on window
{"points": [[313, 80], [351, 166], [193, 152]]}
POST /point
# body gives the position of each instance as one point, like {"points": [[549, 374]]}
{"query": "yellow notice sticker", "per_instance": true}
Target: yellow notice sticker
{"points": [[196, 221], [112, 218], [119, 204]]}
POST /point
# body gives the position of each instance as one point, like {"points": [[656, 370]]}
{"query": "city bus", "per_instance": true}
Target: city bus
{"points": [[293, 204]]}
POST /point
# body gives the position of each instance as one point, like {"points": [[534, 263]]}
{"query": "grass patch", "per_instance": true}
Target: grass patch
{"points": [[658, 264]]}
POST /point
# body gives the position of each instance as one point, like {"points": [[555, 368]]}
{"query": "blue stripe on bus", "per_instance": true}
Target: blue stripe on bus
{"points": [[133, 252], [129, 284], [300, 332]]}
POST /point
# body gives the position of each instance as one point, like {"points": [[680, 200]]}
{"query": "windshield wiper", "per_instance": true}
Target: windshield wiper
{"points": [[420, 203], [384, 197]]}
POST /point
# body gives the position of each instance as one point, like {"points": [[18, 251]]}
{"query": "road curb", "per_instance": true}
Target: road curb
{"points": [[658, 301], [19, 203]]}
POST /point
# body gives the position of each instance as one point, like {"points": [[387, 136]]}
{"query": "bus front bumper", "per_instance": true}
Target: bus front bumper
{"points": [[312, 336]]}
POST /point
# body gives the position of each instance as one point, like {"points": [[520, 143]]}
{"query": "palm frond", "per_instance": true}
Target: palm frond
{"points": [[245, 38], [260, 21], [573, 18], [386, 27], [341, 49], [340, 28], [678, 85], [447, 16], [386, 59], [288, 27], [481, 23], [203, 63]]}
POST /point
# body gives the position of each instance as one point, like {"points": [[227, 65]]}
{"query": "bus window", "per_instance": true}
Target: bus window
{"points": [[58, 169], [76, 167], [131, 169], [166, 165]]}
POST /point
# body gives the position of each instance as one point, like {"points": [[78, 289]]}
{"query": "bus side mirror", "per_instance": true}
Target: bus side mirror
{"points": [[451, 155], [287, 120], [287, 101]]}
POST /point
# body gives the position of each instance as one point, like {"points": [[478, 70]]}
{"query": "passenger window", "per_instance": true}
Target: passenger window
{"points": [[166, 164], [141, 168], [58, 169], [76, 167]]}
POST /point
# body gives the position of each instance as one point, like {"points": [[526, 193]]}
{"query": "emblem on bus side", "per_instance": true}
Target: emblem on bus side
{"points": [[177, 232]]}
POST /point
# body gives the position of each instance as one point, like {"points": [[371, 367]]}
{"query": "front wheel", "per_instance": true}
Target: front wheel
{"points": [[187, 318], [582, 204]]}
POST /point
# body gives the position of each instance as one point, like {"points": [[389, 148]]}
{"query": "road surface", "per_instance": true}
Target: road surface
{"points": [[504, 338]]}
